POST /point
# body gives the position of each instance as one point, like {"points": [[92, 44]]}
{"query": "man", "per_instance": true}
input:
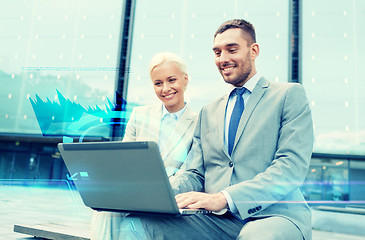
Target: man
{"points": [[251, 153]]}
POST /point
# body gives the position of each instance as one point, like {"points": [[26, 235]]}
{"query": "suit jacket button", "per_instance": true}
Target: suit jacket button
{"points": [[230, 164]]}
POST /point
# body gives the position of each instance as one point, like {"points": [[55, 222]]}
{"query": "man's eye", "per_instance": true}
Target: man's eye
{"points": [[232, 50], [217, 53], [157, 83], [172, 80]]}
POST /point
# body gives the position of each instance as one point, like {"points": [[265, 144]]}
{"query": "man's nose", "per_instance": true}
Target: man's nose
{"points": [[224, 57]]}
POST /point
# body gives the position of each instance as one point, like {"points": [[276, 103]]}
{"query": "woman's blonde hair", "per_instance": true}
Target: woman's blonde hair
{"points": [[164, 57]]}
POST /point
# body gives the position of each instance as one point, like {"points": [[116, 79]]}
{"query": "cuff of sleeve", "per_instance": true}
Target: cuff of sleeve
{"points": [[231, 205]]}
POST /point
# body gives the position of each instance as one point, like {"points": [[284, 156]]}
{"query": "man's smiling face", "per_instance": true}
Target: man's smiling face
{"points": [[234, 57]]}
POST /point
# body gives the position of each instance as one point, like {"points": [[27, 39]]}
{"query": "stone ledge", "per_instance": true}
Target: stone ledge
{"points": [[55, 231], [338, 221]]}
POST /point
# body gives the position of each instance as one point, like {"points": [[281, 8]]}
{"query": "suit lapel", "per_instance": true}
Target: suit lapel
{"points": [[178, 132], [154, 122], [255, 97], [221, 123]]}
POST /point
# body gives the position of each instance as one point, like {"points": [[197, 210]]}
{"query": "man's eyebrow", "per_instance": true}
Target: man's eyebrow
{"points": [[232, 44], [227, 45]]}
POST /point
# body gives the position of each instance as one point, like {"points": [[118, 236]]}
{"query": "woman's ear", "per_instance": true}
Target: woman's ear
{"points": [[186, 80]]}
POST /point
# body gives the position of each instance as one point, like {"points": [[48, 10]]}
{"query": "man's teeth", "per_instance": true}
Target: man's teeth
{"points": [[228, 69]]}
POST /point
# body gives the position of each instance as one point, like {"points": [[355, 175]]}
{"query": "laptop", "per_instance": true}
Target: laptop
{"points": [[122, 176]]}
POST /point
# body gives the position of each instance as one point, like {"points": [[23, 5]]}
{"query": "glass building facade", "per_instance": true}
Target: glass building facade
{"points": [[66, 46], [187, 28], [332, 73]]}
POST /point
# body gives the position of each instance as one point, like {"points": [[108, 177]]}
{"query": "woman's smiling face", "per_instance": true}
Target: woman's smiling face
{"points": [[170, 83]]}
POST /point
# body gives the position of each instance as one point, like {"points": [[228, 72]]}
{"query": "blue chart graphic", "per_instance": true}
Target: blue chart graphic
{"points": [[69, 119]]}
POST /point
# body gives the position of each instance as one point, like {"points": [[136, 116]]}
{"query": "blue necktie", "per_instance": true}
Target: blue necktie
{"points": [[235, 118]]}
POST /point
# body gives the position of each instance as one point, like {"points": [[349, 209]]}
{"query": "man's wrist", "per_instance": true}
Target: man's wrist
{"points": [[223, 200], [230, 204]]}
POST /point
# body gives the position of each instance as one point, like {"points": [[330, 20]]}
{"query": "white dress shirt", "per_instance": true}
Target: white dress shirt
{"points": [[249, 85], [168, 123]]}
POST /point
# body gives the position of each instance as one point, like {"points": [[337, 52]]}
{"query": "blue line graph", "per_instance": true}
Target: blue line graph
{"points": [[69, 119]]}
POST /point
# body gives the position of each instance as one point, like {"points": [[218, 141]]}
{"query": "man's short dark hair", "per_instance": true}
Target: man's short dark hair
{"points": [[246, 27]]}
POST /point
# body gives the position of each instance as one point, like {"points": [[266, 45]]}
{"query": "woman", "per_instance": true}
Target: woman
{"points": [[170, 123]]}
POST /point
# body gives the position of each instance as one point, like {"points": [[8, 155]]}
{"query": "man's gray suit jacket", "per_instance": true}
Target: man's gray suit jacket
{"points": [[270, 157]]}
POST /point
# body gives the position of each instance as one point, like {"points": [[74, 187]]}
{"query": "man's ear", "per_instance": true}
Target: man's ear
{"points": [[255, 50]]}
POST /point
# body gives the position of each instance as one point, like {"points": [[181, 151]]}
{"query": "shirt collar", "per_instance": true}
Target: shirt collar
{"points": [[249, 85], [175, 114]]}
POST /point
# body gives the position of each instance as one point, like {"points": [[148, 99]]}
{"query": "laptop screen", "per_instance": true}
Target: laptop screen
{"points": [[120, 176]]}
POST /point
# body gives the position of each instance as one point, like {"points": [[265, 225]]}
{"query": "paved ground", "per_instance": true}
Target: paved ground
{"points": [[55, 203], [43, 203]]}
